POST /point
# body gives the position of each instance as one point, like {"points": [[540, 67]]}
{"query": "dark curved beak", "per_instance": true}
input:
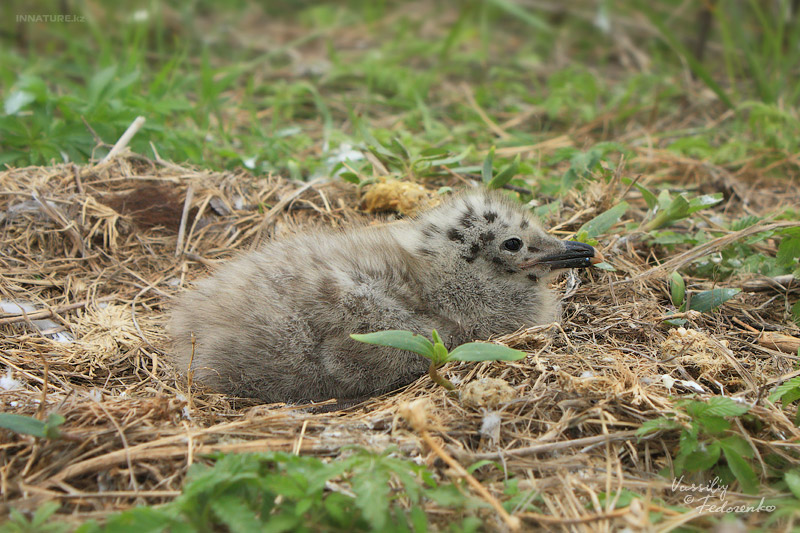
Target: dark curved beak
{"points": [[575, 255]]}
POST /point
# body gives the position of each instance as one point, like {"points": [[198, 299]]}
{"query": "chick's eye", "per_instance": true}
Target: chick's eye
{"points": [[513, 244]]}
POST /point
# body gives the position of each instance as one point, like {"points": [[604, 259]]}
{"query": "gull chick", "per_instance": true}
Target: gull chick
{"points": [[275, 323]]}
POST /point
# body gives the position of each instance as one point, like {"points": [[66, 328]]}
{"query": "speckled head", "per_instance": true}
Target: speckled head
{"points": [[485, 228]]}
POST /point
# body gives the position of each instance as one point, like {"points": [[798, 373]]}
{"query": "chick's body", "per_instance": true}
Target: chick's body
{"points": [[274, 324]]}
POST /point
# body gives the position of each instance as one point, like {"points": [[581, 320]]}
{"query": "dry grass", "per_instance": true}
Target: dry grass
{"points": [[103, 265]]}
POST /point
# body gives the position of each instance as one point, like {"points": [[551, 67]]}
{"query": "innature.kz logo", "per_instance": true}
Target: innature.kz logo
{"points": [[51, 18]]}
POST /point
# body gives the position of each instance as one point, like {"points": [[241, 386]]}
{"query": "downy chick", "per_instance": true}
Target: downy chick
{"points": [[274, 324]]}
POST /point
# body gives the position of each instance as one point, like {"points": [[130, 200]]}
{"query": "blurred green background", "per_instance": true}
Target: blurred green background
{"points": [[294, 87]]}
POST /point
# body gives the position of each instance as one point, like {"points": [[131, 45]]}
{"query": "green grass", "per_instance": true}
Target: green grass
{"points": [[221, 102]]}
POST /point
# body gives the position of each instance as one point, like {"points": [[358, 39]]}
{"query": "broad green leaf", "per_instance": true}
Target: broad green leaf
{"points": [[789, 252], [722, 406], [488, 166], [648, 196], [678, 208], [792, 479], [664, 200], [505, 175], [702, 459], [404, 340], [677, 289], [139, 520], [739, 445], [439, 353], [701, 202], [652, 426], [23, 424], [707, 300], [713, 425], [604, 221], [235, 514], [484, 351], [782, 389], [741, 469], [371, 487]]}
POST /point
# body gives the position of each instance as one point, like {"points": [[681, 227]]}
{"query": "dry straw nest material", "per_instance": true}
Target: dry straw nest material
{"points": [[93, 255]]}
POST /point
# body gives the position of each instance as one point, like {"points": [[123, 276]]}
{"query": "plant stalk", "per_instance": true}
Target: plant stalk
{"points": [[438, 379]]}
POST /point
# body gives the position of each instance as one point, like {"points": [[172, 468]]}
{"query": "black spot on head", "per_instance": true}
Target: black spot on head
{"points": [[533, 249], [496, 260], [524, 224], [466, 220], [511, 271], [454, 235], [490, 216], [486, 238], [533, 277], [473, 253]]}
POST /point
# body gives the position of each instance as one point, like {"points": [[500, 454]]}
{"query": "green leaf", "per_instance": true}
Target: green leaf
{"points": [[474, 466], [738, 444], [707, 300], [139, 520], [235, 514], [741, 469], [782, 389], [439, 353], [677, 289], [505, 175], [678, 208], [723, 406], [713, 425], [648, 196], [664, 200], [488, 165], [703, 459], [403, 340], [701, 202], [600, 224], [789, 252], [652, 426], [23, 424], [371, 487], [484, 351], [792, 479]]}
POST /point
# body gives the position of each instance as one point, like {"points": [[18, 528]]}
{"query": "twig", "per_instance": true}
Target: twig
{"points": [[124, 139], [554, 446], [415, 414], [704, 249], [778, 283], [47, 313], [187, 204]]}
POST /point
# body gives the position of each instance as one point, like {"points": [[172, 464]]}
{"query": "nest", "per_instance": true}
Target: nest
{"points": [[91, 257]]}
